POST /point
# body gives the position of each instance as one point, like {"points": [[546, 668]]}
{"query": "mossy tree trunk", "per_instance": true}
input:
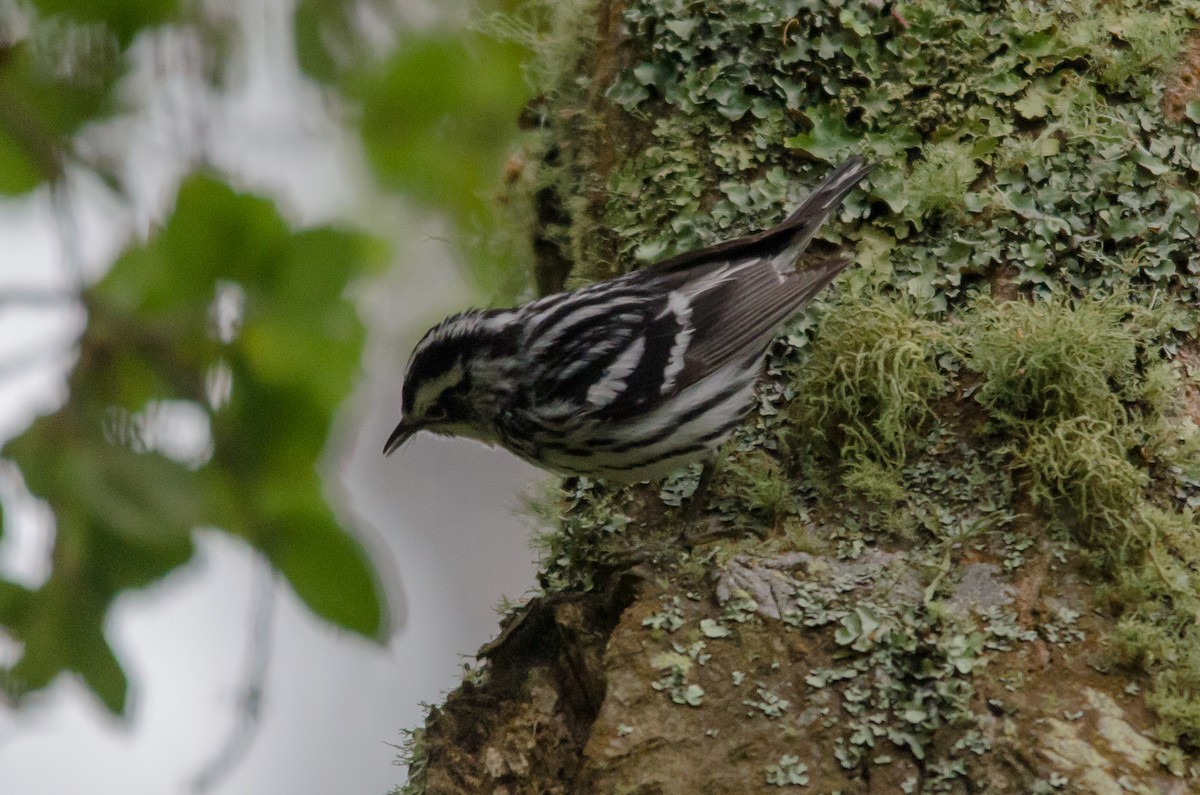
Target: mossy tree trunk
{"points": [[956, 547]]}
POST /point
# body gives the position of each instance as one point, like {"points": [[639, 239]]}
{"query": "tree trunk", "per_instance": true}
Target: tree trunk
{"points": [[953, 550]]}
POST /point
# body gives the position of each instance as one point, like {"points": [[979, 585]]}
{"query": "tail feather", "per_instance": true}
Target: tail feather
{"points": [[786, 240], [802, 225]]}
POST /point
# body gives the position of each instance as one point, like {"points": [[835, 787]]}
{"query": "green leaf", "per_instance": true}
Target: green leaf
{"points": [[19, 171], [102, 673], [438, 122], [314, 23], [49, 88], [438, 119], [213, 235], [61, 629], [141, 495]]}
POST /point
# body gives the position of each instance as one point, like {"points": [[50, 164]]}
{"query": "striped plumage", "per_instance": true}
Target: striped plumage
{"points": [[631, 378]]}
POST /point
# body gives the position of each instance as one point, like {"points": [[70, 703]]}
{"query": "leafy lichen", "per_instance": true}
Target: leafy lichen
{"points": [[1007, 136]]}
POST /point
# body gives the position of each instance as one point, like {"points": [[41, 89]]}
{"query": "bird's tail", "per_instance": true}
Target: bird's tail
{"points": [[783, 243], [802, 225]]}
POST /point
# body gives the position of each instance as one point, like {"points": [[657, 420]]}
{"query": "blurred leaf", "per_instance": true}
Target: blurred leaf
{"points": [[329, 571], [125, 18], [439, 119], [61, 628], [50, 86], [214, 234], [322, 31], [101, 671], [125, 507], [19, 173]]}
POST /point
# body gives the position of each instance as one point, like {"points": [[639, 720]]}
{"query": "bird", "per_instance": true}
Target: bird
{"points": [[632, 378]]}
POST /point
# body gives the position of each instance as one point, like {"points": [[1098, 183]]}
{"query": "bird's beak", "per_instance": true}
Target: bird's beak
{"points": [[400, 435]]}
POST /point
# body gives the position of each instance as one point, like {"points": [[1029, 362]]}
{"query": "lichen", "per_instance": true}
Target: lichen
{"points": [[1007, 136]]}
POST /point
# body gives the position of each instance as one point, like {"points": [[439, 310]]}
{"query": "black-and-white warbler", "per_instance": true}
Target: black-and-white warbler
{"points": [[631, 378]]}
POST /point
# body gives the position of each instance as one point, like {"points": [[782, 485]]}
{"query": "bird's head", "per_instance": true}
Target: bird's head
{"points": [[448, 387]]}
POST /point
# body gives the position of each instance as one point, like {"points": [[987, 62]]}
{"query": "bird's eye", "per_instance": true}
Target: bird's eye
{"points": [[435, 414]]}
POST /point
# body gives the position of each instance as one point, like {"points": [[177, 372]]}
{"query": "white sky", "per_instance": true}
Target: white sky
{"points": [[440, 515]]}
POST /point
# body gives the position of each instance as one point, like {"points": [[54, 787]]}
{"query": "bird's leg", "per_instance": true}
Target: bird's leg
{"points": [[699, 499], [693, 536], [696, 505]]}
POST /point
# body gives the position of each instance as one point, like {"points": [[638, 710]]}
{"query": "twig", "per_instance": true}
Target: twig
{"points": [[237, 744]]}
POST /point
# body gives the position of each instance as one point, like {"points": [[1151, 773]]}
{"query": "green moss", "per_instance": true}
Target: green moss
{"points": [[1061, 385], [1159, 599], [1087, 412], [1054, 360], [411, 754], [1126, 43], [1079, 468], [585, 522], [940, 180], [881, 483], [754, 491], [871, 379]]}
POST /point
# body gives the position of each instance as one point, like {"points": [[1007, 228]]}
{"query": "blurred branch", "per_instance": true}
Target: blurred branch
{"points": [[37, 298], [68, 231], [258, 655]]}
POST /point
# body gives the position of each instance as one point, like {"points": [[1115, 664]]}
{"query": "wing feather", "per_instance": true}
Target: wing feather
{"points": [[685, 318], [741, 316]]}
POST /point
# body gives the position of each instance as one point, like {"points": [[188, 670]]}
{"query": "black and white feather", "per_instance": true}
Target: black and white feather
{"points": [[631, 378]]}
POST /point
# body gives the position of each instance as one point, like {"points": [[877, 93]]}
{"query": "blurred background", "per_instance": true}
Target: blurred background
{"points": [[223, 225]]}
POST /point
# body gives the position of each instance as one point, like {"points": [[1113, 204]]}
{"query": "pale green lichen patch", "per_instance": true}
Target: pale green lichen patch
{"points": [[1006, 136], [1098, 748], [1113, 726]]}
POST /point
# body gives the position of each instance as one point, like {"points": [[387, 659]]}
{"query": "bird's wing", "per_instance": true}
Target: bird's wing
{"points": [[738, 316], [623, 346], [625, 351], [735, 294], [598, 349]]}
